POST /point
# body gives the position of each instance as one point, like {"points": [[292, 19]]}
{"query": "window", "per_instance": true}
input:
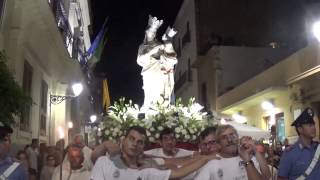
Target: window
{"points": [[278, 128], [189, 70], [43, 108], [27, 88], [2, 9], [186, 37], [203, 95], [178, 47]]}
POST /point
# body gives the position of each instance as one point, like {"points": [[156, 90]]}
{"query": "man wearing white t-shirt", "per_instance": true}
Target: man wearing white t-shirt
{"points": [[236, 162], [33, 154], [168, 146], [129, 163], [74, 169]]}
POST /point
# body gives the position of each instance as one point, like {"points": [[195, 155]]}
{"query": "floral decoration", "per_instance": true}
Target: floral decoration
{"points": [[187, 121]]}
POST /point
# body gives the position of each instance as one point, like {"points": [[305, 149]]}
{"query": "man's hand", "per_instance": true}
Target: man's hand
{"points": [[112, 147]]}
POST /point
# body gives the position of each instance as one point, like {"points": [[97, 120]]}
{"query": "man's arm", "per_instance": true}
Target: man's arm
{"points": [[245, 151], [189, 168], [178, 161], [265, 171], [284, 166], [253, 173], [106, 147]]}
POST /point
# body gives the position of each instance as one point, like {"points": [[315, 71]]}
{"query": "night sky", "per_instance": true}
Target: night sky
{"points": [[126, 25]]}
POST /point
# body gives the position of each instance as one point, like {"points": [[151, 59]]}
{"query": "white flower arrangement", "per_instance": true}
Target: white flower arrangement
{"points": [[187, 121]]}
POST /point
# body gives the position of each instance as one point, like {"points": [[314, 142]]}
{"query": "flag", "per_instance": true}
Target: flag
{"points": [[105, 95], [95, 51]]}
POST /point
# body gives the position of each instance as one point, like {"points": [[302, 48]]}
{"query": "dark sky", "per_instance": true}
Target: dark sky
{"points": [[127, 22]]}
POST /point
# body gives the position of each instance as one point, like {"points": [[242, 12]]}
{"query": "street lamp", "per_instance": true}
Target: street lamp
{"points": [[76, 88], [93, 118], [57, 99]]}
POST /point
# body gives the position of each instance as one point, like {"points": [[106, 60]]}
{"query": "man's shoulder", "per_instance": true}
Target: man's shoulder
{"points": [[103, 159], [291, 149], [213, 163], [184, 152], [154, 152]]}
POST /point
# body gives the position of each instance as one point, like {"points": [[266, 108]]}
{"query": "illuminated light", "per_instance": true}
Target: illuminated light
{"points": [[223, 121], [316, 30], [77, 89], [239, 118], [267, 105], [93, 118], [60, 132], [70, 125]]}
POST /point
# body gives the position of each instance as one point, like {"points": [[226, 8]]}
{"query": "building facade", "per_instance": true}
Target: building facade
{"points": [[40, 40], [290, 86], [233, 56], [211, 36]]}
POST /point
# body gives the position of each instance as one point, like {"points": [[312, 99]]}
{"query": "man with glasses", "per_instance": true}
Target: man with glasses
{"points": [[9, 169], [208, 143], [238, 160]]}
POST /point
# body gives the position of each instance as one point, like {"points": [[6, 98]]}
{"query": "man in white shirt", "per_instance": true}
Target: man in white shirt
{"points": [[33, 153], [168, 146], [74, 170], [130, 164], [78, 140], [237, 162], [208, 142]]}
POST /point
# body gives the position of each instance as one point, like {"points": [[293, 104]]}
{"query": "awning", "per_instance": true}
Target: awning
{"points": [[246, 130]]}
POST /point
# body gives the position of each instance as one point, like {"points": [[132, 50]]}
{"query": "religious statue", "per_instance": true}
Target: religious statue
{"points": [[157, 61]]}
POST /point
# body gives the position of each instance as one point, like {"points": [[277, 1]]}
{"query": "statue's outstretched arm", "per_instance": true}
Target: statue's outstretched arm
{"points": [[169, 34]]}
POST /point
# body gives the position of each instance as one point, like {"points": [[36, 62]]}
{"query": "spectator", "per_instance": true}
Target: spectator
{"points": [[22, 156], [32, 174], [33, 154], [43, 152], [9, 169], [48, 168], [78, 140], [75, 170]]}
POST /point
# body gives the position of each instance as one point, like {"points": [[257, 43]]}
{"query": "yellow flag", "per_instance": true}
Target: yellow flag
{"points": [[105, 95]]}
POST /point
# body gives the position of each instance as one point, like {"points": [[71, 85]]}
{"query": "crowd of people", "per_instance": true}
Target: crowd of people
{"points": [[221, 155]]}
